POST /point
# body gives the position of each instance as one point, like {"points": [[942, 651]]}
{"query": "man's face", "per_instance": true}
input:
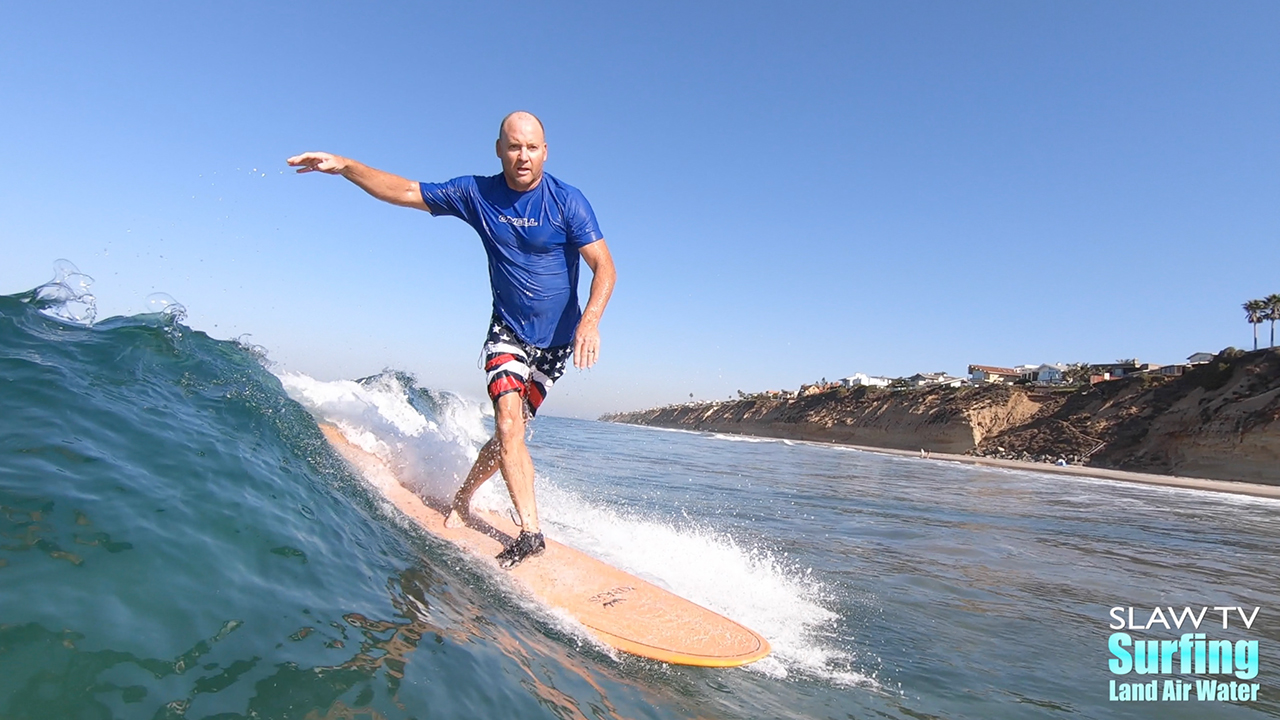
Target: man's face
{"points": [[523, 150]]}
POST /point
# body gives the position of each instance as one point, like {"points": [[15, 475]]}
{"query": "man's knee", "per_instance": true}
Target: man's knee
{"points": [[508, 419], [509, 430]]}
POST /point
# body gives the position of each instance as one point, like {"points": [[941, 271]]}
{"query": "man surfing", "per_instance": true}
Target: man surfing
{"points": [[534, 228]]}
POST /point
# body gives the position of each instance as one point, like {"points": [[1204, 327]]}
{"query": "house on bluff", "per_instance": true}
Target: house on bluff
{"points": [[1046, 374], [940, 379], [864, 379], [979, 374]]}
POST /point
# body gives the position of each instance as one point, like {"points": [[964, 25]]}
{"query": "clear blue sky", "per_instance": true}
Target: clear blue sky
{"points": [[791, 190]]}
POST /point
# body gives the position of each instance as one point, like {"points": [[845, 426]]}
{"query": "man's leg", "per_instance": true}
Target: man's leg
{"points": [[518, 377], [514, 459], [506, 449], [485, 466], [506, 367], [517, 470]]}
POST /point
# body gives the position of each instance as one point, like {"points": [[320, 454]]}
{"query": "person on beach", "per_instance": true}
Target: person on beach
{"points": [[534, 227]]}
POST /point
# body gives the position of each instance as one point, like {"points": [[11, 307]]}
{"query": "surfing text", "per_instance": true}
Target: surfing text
{"points": [[1189, 653]]}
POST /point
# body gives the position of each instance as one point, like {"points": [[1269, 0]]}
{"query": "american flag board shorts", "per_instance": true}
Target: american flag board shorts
{"points": [[512, 365]]}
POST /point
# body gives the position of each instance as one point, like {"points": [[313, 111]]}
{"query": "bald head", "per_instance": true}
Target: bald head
{"points": [[520, 117], [522, 147]]}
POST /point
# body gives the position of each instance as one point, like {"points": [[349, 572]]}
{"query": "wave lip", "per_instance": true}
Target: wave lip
{"points": [[66, 296]]}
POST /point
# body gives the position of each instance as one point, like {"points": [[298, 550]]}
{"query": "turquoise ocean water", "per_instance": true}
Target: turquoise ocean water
{"points": [[178, 541]]}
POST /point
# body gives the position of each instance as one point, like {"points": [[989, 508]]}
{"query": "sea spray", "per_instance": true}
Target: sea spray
{"points": [[429, 439], [66, 296]]}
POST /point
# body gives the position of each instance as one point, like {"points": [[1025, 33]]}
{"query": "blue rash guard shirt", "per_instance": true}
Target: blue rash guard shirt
{"points": [[532, 240]]}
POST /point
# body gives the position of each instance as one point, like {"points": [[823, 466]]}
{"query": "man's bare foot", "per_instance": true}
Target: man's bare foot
{"points": [[456, 518]]}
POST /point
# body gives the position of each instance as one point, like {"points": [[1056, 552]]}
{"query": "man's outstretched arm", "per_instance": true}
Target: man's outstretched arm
{"points": [[382, 185], [586, 339]]}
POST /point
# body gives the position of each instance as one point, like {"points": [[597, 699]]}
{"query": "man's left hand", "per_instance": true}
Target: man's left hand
{"points": [[586, 345]]}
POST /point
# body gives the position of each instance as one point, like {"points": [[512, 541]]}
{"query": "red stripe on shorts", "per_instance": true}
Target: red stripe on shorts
{"points": [[535, 396], [498, 361], [505, 384]]}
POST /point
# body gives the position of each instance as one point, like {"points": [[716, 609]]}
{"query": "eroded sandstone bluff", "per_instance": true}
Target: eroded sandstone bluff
{"points": [[1220, 420]]}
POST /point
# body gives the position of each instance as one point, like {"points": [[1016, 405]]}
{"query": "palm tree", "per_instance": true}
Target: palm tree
{"points": [[1079, 373], [1255, 312], [1273, 313]]}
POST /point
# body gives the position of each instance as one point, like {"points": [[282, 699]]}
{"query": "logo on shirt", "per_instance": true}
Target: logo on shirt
{"points": [[518, 222]]}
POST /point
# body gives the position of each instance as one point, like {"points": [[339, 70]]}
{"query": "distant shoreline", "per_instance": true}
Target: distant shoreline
{"points": [[1235, 487], [1238, 487]]}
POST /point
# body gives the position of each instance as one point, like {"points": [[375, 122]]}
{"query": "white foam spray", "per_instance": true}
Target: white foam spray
{"points": [[430, 455], [753, 586]]}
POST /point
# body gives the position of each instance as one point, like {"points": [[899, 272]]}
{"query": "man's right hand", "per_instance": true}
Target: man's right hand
{"points": [[382, 185], [319, 161]]}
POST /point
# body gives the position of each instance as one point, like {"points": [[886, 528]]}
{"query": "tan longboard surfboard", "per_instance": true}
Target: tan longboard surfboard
{"points": [[620, 609]]}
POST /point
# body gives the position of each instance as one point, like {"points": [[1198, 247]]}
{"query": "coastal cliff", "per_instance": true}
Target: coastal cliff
{"points": [[1220, 420], [939, 419]]}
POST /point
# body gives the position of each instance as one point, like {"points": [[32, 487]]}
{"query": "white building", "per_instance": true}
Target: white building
{"points": [[1046, 374], [864, 379]]}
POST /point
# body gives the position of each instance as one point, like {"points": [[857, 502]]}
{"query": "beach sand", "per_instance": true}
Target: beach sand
{"points": [[1229, 486]]}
